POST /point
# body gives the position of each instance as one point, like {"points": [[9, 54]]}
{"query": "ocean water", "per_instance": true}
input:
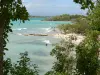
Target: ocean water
{"points": [[34, 45]]}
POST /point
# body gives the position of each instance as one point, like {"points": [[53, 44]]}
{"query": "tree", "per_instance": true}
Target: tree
{"points": [[79, 26], [64, 17], [22, 67], [87, 55], [10, 10], [55, 73], [85, 3], [88, 51], [94, 17], [65, 63]]}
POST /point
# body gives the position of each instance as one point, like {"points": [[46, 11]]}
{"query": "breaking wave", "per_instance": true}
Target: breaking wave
{"points": [[47, 29], [19, 29], [47, 41]]}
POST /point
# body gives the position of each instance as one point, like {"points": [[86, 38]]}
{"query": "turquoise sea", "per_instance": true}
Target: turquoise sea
{"points": [[35, 45]]}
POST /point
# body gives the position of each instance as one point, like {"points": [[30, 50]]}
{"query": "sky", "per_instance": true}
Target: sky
{"points": [[52, 7]]}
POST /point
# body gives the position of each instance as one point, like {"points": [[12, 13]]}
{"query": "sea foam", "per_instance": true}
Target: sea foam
{"points": [[47, 41], [47, 29], [19, 34], [19, 28]]}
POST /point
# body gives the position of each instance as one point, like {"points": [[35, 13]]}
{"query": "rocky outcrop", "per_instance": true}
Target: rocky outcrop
{"points": [[36, 34]]}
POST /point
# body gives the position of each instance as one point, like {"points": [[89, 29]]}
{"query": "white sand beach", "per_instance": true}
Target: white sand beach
{"points": [[76, 38]]}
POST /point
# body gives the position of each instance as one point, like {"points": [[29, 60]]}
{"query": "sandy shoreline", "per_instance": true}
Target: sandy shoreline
{"points": [[76, 38], [56, 33]]}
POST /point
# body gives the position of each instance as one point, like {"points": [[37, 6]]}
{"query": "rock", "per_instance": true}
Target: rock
{"points": [[36, 34]]}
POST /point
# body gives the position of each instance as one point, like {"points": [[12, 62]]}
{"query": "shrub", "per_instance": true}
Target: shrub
{"points": [[21, 67]]}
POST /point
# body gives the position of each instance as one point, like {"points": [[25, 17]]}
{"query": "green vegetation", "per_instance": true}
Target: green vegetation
{"points": [[80, 26], [65, 64], [94, 17], [64, 17], [87, 52], [30, 16], [85, 3], [55, 73], [21, 67], [10, 10], [87, 59], [65, 60]]}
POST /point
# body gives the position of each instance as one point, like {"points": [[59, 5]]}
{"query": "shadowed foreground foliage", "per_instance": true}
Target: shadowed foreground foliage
{"points": [[21, 67], [10, 10], [65, 64], [87, 55]]}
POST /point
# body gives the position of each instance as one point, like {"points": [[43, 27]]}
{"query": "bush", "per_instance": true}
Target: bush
{"points": [[64, 17], [21, 67], [65, 60], [55, 73], [79, 26]]}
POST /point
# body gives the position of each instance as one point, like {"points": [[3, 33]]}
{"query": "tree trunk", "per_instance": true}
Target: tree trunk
{"points": [[1, 51], [3, 18], [2, 23]]}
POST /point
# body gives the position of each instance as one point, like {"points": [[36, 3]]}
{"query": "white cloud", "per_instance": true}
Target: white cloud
{"points": [[50, 6]]}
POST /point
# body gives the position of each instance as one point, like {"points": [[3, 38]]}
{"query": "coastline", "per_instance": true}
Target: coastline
{"points": [[76, 38]]}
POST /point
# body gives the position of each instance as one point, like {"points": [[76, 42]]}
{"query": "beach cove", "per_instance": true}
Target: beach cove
{"points": [[34, 45]]}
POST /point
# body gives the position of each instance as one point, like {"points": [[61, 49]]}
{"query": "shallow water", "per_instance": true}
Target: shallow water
{"points": [[35, 45]]}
